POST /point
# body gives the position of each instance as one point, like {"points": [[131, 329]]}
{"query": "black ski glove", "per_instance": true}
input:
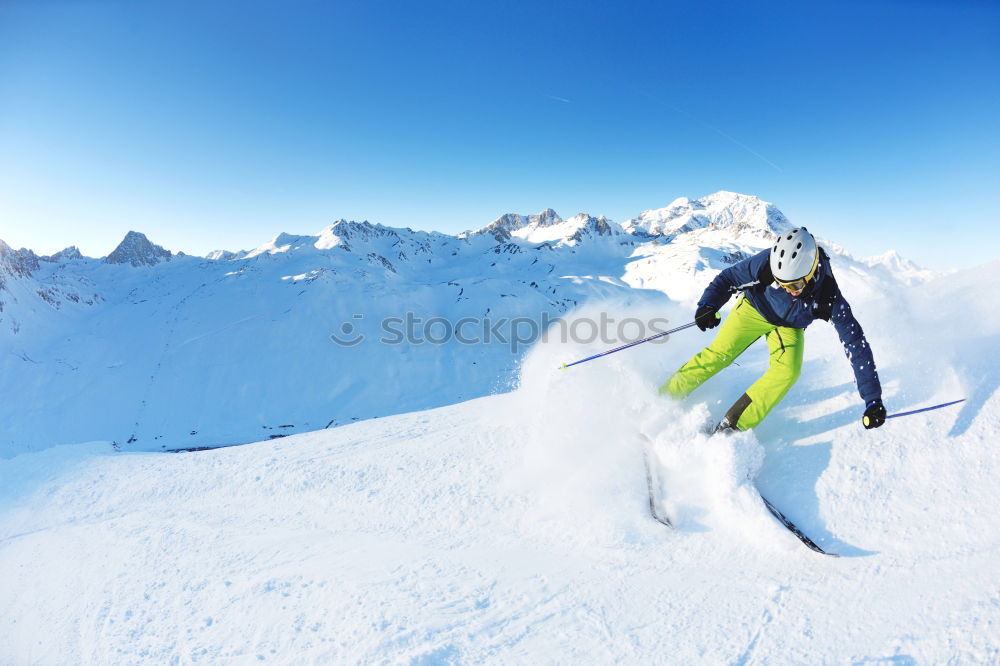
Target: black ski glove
{"points": [[874, 414], [707, 317]]}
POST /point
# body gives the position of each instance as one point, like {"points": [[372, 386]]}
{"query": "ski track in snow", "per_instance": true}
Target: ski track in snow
{"points": [[515, 528]]}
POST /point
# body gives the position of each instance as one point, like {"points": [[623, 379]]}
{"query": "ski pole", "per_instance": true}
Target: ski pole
{"points": [[926, 409], [632, 344]]}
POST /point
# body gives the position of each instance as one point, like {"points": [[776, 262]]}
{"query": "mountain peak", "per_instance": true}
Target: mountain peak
{"points": [[137, 250], [546, 218], [21, 262], [739, 213], [891, 257], [901, 267], [67, 254], [589, 226], [350, 230], [224, 255], [283, 242], [504, 226]]}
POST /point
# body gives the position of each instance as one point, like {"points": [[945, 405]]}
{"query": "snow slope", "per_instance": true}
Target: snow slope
{"points": [[514, 528]]}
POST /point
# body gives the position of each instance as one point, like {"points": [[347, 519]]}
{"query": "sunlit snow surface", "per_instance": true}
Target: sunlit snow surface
{"points": [[515, 528]]}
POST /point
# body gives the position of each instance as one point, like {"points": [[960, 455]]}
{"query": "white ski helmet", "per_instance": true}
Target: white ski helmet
{"points": [[794, 256]]}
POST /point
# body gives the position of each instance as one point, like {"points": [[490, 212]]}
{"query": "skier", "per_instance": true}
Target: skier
{"points": [[783, 290]]}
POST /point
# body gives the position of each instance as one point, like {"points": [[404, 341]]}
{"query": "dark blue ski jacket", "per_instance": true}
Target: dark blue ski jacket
{"points": [[821, 299]]}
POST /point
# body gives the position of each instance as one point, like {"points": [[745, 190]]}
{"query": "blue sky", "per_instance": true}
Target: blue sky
{"points": [[219, 124]]}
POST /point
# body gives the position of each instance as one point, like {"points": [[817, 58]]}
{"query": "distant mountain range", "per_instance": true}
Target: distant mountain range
{"points": [[155, 350]]}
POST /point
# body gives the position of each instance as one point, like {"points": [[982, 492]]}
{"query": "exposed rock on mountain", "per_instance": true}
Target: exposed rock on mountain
{"points": [[71, 253], [137, 250]]}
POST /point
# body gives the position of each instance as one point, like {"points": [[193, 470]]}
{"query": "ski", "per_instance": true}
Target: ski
{"points": [[653, 491], [652, 486], [794, 529]]}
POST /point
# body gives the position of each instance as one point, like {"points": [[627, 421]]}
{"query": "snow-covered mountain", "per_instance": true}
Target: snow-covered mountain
{"points": [[515, 528], [159, 350], [505, 226], [737, 214], [16, 263], [900, 268], [68, 254], [548, 227]]}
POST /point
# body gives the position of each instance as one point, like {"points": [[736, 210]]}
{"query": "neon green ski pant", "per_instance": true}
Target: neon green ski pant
{"points": [[740, 329]]}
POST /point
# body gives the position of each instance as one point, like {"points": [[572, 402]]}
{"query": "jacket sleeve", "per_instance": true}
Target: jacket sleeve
{"points": [[732, 279], [859, 353]]}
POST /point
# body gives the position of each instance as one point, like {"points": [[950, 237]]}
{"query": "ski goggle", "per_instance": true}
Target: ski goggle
{"points": [[795, 285], [800, 284]]}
